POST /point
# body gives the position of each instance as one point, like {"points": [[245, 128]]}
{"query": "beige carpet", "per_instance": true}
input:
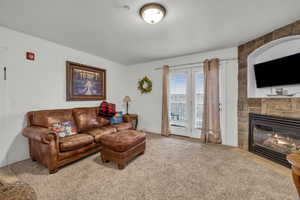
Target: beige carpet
{"points": [[171, 168]]}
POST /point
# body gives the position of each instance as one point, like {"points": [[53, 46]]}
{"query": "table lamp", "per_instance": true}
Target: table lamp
{"points": [[126, 100]]}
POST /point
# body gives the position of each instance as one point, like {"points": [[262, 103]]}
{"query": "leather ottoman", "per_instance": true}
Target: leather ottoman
{"points": [[122, 146]]}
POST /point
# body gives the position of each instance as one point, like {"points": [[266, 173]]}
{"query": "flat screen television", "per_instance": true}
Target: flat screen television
{"points": [[281, 71]]}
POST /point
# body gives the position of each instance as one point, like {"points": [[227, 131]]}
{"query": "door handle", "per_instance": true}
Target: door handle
{"points": [[4, 75]]}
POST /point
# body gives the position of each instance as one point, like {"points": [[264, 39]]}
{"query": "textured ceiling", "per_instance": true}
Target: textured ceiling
{"points": [[107, 29]]}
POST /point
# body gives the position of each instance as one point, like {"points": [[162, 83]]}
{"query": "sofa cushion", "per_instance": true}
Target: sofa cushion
{"points": [[86, 118], [103, 121], [123, 126], [123, 140], [74, 142], [79, 153], [46, 118], [97, 133]]}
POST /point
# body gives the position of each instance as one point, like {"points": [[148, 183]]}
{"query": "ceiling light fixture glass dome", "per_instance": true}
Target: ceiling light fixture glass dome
{"points": [[152, 13]]}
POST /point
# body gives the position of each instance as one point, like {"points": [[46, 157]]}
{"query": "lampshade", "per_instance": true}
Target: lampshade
{"points": [[126, 99], [152, 13]]}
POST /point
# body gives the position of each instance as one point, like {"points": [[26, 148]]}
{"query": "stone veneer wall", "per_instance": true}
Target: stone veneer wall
{"points": [[286, 107]]}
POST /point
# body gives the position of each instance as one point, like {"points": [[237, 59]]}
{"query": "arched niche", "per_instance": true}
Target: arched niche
{"points": [[275, 49]]}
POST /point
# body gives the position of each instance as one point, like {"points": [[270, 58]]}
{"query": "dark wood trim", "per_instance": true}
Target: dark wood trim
{"points": [[70, 66]]}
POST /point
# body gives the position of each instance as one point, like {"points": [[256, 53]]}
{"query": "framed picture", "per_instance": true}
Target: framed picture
{"points": [[85, 83]]}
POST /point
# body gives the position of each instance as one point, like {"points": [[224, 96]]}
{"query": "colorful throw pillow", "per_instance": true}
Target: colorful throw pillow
{"points": [[63, 129], [117, 118], [107, 110]]}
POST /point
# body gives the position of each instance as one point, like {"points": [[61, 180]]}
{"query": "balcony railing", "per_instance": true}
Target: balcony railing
{"points": [[178, 114]]}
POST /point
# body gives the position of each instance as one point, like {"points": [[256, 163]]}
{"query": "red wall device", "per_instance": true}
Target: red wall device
{"points": [[30, 56]]}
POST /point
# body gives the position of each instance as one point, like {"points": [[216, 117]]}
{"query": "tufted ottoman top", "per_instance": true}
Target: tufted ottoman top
{"points": [[123, 140]]}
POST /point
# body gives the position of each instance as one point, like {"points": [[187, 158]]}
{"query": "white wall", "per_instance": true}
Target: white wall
{"points": [[148, 106], [41, 84]]}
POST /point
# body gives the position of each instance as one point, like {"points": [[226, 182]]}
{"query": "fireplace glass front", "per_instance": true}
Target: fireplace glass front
{"points": [[282, 141]]}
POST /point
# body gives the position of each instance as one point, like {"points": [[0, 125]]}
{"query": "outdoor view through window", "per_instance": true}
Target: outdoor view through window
{"points": [[184, 89]]}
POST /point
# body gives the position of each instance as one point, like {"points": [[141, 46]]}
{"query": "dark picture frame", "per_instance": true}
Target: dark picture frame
{"points": [[85, 83]]}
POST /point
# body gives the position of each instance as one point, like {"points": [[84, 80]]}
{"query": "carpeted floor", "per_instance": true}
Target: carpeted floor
{"points": [[171, 168]]}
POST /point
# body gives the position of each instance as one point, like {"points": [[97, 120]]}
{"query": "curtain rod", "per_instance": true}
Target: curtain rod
{"points": [[201, 62]]}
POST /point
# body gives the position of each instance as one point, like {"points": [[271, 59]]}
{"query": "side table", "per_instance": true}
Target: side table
{"points": [[294, 159], [133, 118]]}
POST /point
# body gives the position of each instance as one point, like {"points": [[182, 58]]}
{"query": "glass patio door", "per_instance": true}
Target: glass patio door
{"points": [[179, 106], [197, 101], [186, 101]]}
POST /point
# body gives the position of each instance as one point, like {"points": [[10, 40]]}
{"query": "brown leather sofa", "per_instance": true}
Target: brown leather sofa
{"points": [[54, 152]]}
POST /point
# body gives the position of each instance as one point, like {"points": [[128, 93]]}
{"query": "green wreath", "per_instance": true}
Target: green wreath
{"points": [[145, 85]]}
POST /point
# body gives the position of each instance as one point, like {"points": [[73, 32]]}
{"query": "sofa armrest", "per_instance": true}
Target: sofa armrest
{"points": [[39, 134]]}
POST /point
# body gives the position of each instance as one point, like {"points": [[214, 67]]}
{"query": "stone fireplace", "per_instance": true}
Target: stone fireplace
{"points": [[274, 137], [283, 107]]}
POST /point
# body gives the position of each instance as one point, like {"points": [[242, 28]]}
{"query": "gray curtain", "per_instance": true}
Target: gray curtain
{"points": [[165, 126], [211, 113]]}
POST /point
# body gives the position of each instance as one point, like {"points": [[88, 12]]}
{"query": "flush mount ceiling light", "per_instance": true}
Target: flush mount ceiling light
{"points": [[152, 13]]}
